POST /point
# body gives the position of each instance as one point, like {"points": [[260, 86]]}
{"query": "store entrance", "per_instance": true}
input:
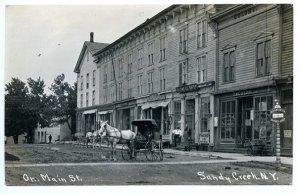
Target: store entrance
{"points": [[245, 120]]}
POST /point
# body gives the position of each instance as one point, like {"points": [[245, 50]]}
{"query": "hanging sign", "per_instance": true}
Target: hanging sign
{"points": [[204, 138], [277, 113]]}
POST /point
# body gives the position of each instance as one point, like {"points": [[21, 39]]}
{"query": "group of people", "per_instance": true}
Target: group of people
{"points": [[187, 136]]}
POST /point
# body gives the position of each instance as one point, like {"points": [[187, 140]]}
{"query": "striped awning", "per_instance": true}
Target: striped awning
{"points": [[89, 111], [155, 104]]}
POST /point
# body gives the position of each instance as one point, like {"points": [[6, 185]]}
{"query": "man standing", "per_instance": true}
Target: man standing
{"points": [[177, 135], [50, 138]]}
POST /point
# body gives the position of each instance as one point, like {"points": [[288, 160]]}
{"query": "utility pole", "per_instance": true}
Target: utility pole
{"points": [[116, 89]]}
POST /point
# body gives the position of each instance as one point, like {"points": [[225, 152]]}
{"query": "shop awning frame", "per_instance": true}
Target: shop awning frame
{"points": [[89, 111], [155, 104], [105, 112]]}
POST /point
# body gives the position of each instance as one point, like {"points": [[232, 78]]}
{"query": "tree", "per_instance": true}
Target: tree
{"points": [[65, 100], [15, 108]]}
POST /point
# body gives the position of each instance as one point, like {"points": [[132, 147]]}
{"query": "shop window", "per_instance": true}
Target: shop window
{"points": [[262, 117], [228, 121], [205, 114]]}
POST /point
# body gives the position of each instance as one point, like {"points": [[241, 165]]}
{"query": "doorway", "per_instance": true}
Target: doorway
{"points": [[245, 120]]}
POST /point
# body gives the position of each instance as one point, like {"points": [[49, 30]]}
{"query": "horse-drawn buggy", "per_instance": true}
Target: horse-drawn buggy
{"points": [[147, 141]]}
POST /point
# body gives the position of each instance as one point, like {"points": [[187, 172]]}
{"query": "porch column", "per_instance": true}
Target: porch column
{"points": [[212, 112], [197, 121], [162, 121], [182, 117]]}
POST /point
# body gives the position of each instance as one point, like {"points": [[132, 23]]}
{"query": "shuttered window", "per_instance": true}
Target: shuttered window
{"points": [[229, 66]]}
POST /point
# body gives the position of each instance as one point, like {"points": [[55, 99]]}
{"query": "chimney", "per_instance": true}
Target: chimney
{"points": [[92, 37]]}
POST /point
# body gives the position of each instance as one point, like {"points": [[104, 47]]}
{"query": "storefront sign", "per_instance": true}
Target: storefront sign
{"points": [[288, 133], [156, 97], [193, 87], [204, 138], [277, 113]]}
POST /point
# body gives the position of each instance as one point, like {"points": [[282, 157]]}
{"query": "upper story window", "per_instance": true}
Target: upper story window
{"points": [[120, 91], [129, 63], [87, 99], [183, 72], [183, 41], [140, 86], [105, 74], [105, 94], [81, 83], [129, 88], [81, 100], [229, 66], [202, 34], [140, 58], [112, 75], [87, 56], [150, 82], [121, 67], [162, 47], [87, 80], [112, 92], [94, 77], [93, 98], [263, 58], [162, 78], [202, 69], [150, 53]]}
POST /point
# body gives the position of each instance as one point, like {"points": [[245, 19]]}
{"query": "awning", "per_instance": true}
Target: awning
{"points": [[155, 104], [105, 112], [89, 111]]}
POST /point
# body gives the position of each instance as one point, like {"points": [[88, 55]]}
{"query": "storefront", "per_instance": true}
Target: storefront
{"points": [[194, 108], [125, 114], [244, 116], [156, 106]]}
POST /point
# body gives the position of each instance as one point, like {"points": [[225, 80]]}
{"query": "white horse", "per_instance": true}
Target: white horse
{"points": [[114, 135], [93, 137]]}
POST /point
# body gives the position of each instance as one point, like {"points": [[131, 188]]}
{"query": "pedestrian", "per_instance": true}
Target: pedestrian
{"points": [[50, 138], [187, 137], [177, 136]]}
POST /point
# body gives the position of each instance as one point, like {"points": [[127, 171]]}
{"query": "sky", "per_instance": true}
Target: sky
{"points": [[46, 40]]}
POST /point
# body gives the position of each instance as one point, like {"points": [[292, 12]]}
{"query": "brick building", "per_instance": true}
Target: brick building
{"points": [[198, 65]]}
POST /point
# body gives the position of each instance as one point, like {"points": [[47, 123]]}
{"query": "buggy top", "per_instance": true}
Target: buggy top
{"points": [[145, 124]]}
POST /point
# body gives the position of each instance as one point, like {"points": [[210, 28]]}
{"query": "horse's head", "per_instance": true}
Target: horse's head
{"points": [[103, 128]]}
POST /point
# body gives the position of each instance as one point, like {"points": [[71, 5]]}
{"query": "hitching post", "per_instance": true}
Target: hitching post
{"points": [[277, 117]]}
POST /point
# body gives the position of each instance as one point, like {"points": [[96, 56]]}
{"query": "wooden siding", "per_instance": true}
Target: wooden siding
{"points": [[287, 41]]}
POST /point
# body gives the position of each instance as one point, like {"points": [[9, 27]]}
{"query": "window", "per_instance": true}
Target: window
{"points": [[183, 73], [205, 114], [120, 67], [140, 88], [140, 58], [87, 81], [162, 80], [150, 53], [120, 90], [93, 98], [129, 63], [87, 99], [150, 82], [162, 46], [94, 77], [229, 65], [262, 117], [105, 74], [129, 88], [183, 44], [81, 83], [202, 34], [81, 100], [263, 58], [112, 75], [227, 121], [105, 94], [112, 92], [202, 69]]}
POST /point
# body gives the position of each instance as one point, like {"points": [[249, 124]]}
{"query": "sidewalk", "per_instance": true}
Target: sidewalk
{"points": [[236, 157]]}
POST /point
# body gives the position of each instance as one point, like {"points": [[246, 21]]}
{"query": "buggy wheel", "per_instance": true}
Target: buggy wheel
{"points": [[150, 153], [249, 151], [158, 152], [126, 152]]}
